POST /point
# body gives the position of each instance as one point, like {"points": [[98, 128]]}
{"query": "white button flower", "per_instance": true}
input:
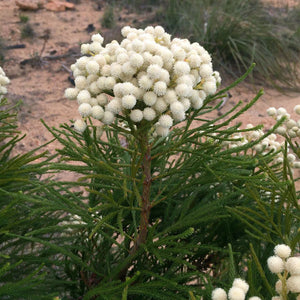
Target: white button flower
{"points": [[144, 76]]}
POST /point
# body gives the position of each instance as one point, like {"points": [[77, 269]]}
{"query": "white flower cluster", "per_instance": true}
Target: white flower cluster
{"points": [[288, 270], [4, 81], [150, 77], [266, 145], [289, 127], [238, 291]]}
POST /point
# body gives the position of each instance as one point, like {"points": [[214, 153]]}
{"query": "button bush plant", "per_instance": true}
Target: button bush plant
{"points": [[19, 177], [160, 208]]}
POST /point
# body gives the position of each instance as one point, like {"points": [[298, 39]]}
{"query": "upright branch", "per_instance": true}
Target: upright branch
{"points": [[146, 204]]}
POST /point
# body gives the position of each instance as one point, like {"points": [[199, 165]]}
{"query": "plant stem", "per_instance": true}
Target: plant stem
{"points": [[145, 205]]}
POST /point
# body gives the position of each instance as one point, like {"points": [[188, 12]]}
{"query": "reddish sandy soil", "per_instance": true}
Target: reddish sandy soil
{"points": [[41, 87]]}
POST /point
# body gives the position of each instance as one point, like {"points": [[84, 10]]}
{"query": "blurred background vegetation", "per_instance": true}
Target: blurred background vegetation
{"points": [[235, 32]]}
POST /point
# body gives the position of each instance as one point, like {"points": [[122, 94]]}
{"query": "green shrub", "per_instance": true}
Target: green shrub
{"points": [[148, 215], [238, 33], [108, 19], [19, 175], [27, 31]]}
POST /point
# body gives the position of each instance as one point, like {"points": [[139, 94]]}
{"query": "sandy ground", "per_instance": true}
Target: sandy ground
{"points": [[41, 86]]}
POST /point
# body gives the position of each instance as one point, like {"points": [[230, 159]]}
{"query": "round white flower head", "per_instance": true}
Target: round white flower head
{"points": [[85, 109], [281, 130], [218, 294], [291, 158], [128, 101], [242, 284], [3, 90], [97, 38], [80, 82], [181, 68], [296, 164], [183, 90], [102, 99], [92, 67], [165, 121], [97, 112], [275, 264], [149, 114], [170, 96], [154, 71], [71, 93], [194, 60], [136, 60], [149, 98], [160, 88], [108, 117], [236, 293], [4, 81], [254, 298], [297, 109], [114, 106], [80, 125], [205, 70], [292, 133], [209, 87], [83, 96], [292, 265], [177, 107], [282, 250], [197, 103], [271, 111], [145, 82], [136, 115], [293, 284], [160, 105], [290, 124], [81, 62], [138, 46], [281, 111]]}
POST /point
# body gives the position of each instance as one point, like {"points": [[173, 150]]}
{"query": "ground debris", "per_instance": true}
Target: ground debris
{"points": [[53, 5], [59, 5], [30, 4]]}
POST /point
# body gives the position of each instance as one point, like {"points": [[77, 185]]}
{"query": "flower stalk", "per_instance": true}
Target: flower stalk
{"points": [[145, 204]]}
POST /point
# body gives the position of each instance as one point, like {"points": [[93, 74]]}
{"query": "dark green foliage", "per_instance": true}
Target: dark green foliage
{"points": [[18, 175], [207, 205], [2, 49], [24, 18], [237, 33], [108, 18], [27, 31]]}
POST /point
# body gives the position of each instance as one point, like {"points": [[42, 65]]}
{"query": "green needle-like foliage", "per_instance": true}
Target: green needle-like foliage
{"points": [[145, 217], [18, 174]]}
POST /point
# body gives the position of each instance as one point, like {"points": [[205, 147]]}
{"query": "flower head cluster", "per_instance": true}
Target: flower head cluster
{"points": [[238, 291], [281, 263], [287, 268], [148, 77], [267, 144], [289, 127], [4, 81]]}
